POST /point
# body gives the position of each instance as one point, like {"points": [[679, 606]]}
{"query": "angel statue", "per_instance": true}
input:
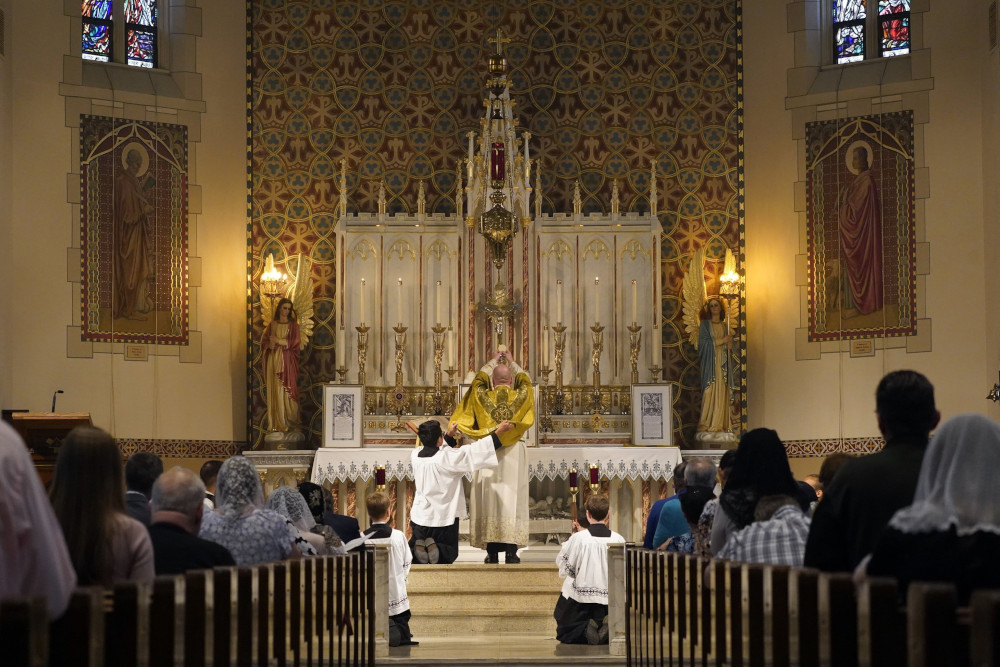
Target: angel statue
{"points": [[710, 330], [286, 331]]}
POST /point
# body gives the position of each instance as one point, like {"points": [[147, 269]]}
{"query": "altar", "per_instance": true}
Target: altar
{"points": [[631, 477]]}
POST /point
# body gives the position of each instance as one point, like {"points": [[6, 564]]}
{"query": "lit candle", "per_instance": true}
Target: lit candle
{"points": [[597, 300], [362, 302], [451, 348], [399, 301], [559, 309], [633, 302], [341, 347], [437, 304]]}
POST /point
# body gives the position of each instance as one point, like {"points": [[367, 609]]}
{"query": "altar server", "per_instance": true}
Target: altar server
{"points": [[439, 501], [582, 610], [400, 559]]}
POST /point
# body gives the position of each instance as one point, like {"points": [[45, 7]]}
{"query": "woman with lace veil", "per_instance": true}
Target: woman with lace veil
{"points": [[239, 522], [289, 503], [951, 532]]}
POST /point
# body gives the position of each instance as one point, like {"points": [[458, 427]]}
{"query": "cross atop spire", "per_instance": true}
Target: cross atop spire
{"points": [[499, 40]]}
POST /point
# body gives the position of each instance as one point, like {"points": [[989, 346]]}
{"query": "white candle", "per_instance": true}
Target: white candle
{"points": [[362, 302], [437, 304], [545, 347], [633, 302], [341, 347], [653, 342], [451, 348], [559, 309], [597, 300], [399, 301]]}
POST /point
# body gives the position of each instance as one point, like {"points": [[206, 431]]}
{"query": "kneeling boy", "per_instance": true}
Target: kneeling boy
{"points": [[582, 611], [399, 565]]}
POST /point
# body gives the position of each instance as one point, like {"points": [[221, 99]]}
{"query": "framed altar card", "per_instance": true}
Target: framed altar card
{"points": [[343, 414], [652, 407]]}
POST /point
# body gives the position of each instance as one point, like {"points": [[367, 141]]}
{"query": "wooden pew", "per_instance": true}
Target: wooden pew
{"points": [[984, 624], [933, 636], [881, 624], [24, 632]]}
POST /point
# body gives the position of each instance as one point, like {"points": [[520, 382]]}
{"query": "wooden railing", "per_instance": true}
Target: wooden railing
{"points": [[683, 610], [313, 611]]}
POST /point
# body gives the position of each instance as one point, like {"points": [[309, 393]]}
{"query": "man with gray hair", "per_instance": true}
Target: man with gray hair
{"points": [[178, 504], [701, 472]]}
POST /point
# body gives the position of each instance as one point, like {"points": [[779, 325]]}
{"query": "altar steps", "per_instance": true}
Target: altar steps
{"points": [[472, 614]]}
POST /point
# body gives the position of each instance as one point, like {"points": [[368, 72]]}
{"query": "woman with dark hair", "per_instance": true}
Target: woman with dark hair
{"points": [[760, 469], [280, 346], [105, 544]]}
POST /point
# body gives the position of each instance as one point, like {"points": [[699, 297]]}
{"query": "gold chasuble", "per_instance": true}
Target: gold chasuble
{"points": [[483, 408], [498, 507]]}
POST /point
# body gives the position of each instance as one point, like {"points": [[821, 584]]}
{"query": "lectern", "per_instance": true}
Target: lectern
{"points": [[43, 433]]}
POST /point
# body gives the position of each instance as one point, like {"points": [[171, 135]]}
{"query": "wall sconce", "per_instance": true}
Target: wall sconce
{"points": [[272, 281]]}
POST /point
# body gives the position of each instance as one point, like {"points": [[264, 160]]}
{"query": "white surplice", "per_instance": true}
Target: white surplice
{"points": [[400, 560], [583, 562], [439, 497]]}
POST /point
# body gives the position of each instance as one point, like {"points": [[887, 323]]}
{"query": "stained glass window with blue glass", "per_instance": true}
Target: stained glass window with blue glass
{"points": [[97, 30], [849, 30], [894, 27], [140, 32]]}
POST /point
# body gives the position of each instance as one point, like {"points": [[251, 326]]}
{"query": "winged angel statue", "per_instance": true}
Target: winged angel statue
{"points": [[287, 331], [710, 330]]}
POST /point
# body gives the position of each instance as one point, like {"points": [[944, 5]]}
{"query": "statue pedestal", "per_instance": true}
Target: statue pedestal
{"points": [[288, 468], [280, 441], [716, 437]]}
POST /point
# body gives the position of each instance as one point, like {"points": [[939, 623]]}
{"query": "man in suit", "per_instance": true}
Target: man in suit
{"points": [[178, 505], [141, 470]]}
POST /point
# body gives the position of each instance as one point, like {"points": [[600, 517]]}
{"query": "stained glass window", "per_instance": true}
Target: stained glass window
{"points": [[849, 30], [97, 29], [136, 28], [894, 27]]}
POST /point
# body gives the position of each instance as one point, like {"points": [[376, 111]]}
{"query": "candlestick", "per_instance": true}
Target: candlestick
{"points": [[572, 480], [595, 477], [634, 339], [380, 478], [437, 304], [362, 299], [559, 310], [633, 302], [399, 301], [342, 346], [559, 341], [362, 352], [438, 339], [545, 346]]}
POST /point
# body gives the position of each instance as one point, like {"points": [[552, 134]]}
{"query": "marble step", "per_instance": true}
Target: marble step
{"points": [[465, 598]]}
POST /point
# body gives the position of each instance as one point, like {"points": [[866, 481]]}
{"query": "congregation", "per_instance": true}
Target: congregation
{"points": [[922, 508]]}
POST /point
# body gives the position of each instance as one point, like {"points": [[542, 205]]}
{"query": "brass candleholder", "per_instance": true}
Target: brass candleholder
{"points": [[559, 340], [634, 340], [400, 396], [438, 356], [342, 371], [362, 352], [545, 423], [655, 372], [597, 334], [451, 396]]}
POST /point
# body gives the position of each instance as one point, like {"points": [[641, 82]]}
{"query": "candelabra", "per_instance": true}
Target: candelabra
{"points": [[634, 340], [558, 400], [362, 352], [438, 355], [450, 405], [399, 393], [545, 423], [597, 332]]}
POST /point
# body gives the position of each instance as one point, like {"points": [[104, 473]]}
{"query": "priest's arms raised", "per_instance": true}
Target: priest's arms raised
{"points": [[501, 391]]}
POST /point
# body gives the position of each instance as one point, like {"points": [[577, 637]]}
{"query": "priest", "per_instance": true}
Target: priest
{"points": [[439, 500], [500, 392]]}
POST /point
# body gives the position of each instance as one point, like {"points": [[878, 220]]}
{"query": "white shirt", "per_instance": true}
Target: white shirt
{"points": [[583, 562], [439, 497], [33, 555], [400, 560]]}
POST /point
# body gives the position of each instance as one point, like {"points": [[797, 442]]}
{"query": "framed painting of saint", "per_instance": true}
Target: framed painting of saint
{"points": [[134, 209], [861, 237]]}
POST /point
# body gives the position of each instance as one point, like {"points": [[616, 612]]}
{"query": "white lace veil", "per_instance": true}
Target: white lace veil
{"points": [[238, 490], [289, 503], [957, 484]]}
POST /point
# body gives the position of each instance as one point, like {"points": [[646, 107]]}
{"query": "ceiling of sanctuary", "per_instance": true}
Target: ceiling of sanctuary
{"points": [[606, 88]]}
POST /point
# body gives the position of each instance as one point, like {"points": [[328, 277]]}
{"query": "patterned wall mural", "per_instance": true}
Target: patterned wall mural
{"points": [[134, 231], [606, 87]]}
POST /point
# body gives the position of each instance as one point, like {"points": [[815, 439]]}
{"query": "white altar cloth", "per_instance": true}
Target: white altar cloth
{"points": [[614, 462]]}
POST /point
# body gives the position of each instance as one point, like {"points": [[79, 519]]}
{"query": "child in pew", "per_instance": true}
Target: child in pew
{"points": [[582, 610], [399, 565]]}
